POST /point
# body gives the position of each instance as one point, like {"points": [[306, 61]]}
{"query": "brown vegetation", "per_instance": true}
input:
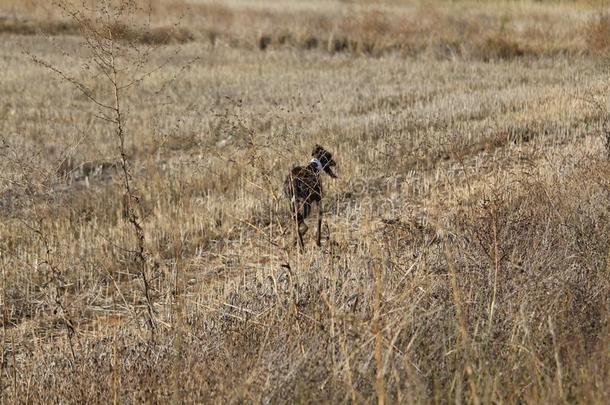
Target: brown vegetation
{"points": [[468, 257], [471, 29], [157, 35]]}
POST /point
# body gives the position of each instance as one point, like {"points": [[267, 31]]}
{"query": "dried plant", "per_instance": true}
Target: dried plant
{"points": [[118, 62], [468, 254]]}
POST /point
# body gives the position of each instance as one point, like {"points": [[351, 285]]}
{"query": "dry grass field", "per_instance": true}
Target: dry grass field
{"points": [[466, 243]]}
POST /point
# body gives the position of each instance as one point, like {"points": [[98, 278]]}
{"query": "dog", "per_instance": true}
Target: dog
{"points": [[304, 188]]}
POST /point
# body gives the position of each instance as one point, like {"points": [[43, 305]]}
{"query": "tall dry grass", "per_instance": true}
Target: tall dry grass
{"points": [[465, 250], [497, 30]]}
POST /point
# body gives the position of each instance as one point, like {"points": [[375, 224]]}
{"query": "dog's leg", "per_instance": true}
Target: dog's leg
{"points": [[302, 228], [318, 236]]}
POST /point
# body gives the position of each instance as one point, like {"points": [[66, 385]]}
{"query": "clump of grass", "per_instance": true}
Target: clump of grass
{"points": [[499, 47], [120, 31], [151, 36], [32, 27], [598, 33]]}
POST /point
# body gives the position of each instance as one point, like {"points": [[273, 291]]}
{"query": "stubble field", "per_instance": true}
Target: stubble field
{"points": [[465, 250]]}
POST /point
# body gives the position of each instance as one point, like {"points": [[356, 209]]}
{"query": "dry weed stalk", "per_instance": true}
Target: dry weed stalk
{"points": [[378, 328], [122, 63]]}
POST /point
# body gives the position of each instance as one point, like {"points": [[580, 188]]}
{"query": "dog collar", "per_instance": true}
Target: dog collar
{"points": [[318, 164]]}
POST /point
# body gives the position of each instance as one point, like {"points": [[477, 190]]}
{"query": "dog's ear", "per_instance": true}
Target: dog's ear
{"points": [[317, 151]]}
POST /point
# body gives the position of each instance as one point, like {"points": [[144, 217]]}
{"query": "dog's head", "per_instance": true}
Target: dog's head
{"points": [[325, 158]]}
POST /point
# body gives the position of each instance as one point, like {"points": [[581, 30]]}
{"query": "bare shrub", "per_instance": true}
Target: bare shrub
{"points": [[114, 53]]}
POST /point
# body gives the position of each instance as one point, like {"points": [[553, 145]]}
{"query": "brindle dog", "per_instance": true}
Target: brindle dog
{"points": [[303, 188]]}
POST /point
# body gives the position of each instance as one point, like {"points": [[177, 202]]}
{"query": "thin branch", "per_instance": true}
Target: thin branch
{"points": [[80, 86]]}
